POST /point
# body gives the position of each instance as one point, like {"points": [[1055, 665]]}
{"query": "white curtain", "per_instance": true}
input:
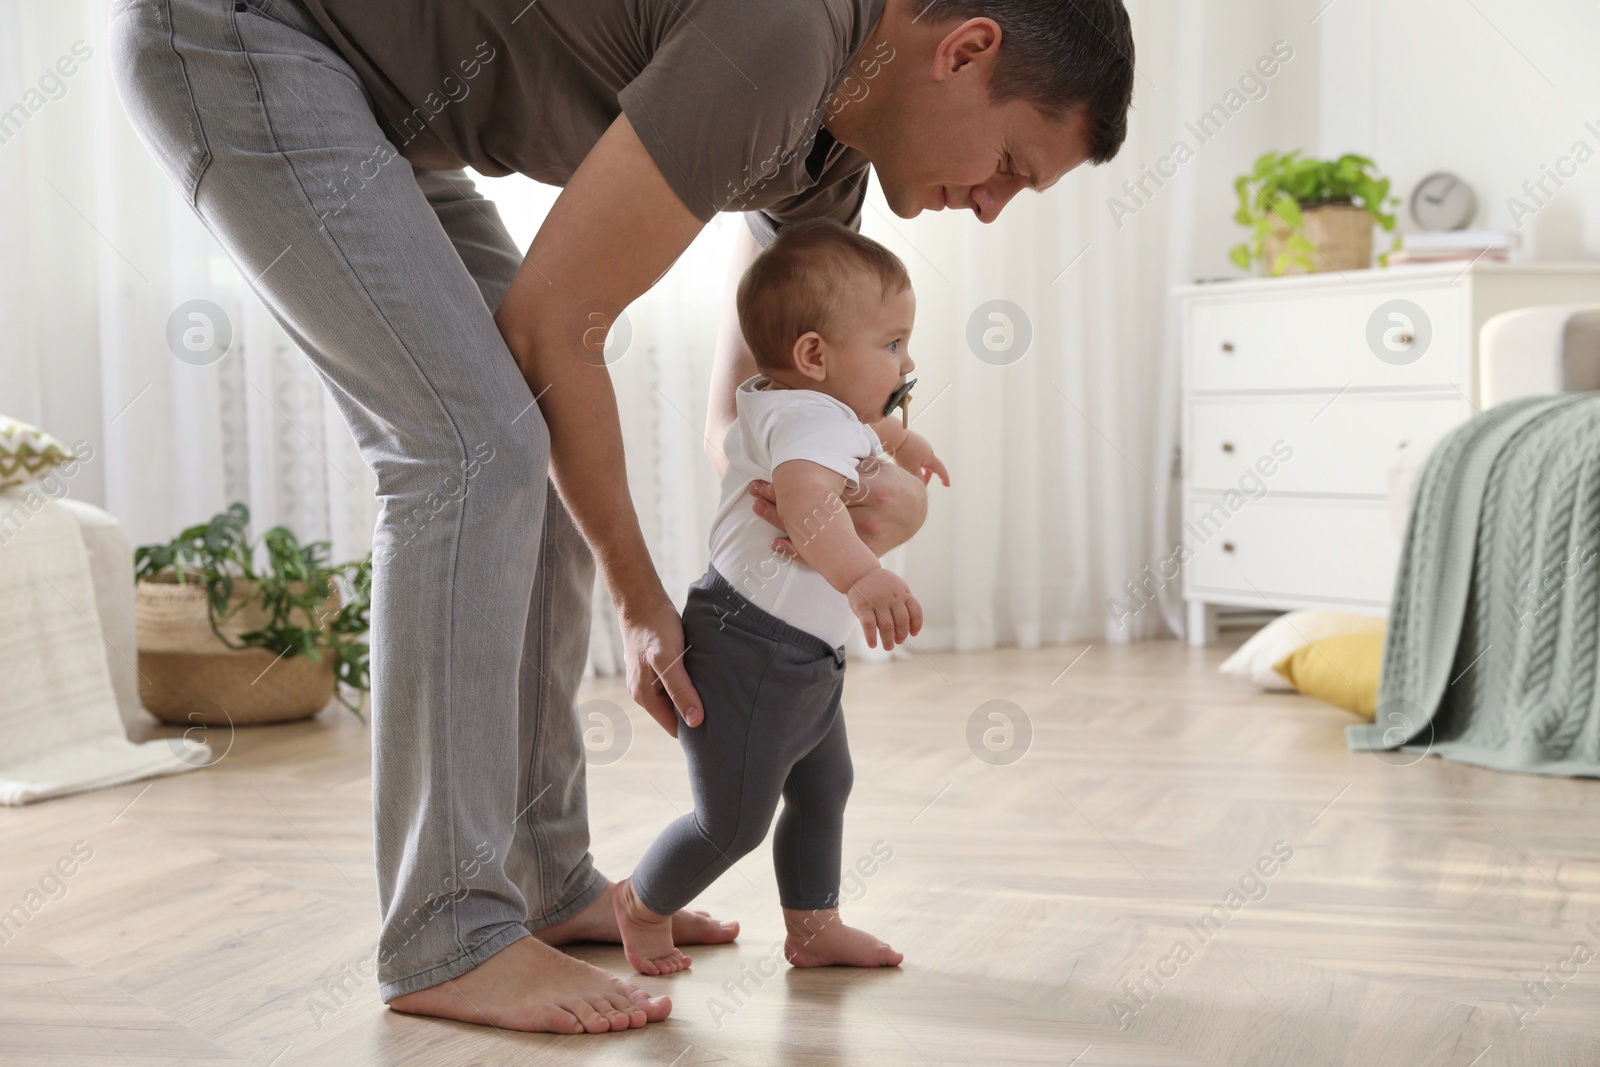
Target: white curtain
{"points": [[1061, 459], [100, 253]]}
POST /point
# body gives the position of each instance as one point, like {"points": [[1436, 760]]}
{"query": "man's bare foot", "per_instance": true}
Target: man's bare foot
{"points": [[530, 986], [821, 939], [646, 936], [598, 922]]}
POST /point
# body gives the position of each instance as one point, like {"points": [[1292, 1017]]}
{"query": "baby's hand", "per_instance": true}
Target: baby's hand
{"points": [[883, 602], [915, 454]]}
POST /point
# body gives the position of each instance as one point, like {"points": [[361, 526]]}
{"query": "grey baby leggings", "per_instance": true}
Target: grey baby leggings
{"points": [[773, 727]]}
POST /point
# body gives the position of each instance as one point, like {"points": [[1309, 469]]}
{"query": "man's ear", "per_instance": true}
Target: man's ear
{"points": [[809, 356], [975, 39]]}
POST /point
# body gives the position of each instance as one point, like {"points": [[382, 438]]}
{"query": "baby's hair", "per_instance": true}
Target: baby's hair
{"points": [[801, 281]]}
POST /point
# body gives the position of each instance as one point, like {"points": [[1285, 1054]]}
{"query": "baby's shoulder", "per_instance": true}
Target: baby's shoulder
{"points": [[816, 428], [774, 406]]}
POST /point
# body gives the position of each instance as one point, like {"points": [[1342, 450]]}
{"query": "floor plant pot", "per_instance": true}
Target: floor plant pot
{"points": [[187, 675], [1342, 234]]}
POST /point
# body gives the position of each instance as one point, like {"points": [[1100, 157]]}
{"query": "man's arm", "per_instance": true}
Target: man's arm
{"points": [[613, 232], [912, 452], [888, 508], [811, 506], [732, 362]]}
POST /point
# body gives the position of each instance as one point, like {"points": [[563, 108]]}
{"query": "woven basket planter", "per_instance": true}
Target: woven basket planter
{"points": [[1342, 234], [188, 676]]}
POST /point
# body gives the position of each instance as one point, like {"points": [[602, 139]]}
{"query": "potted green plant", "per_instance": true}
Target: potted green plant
{"points": [[1308, 215], [222, 640]]}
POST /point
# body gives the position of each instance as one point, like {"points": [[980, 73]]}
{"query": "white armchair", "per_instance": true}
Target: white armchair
{"points": [[1539, 351]]}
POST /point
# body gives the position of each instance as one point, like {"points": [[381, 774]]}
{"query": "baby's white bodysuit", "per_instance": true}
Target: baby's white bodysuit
{"points": [[774, 426]]}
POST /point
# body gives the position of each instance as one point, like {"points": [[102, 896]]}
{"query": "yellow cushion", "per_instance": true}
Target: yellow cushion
{"points": [[1342, 670]]}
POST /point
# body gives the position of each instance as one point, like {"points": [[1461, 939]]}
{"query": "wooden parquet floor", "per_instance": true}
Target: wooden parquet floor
{"points": [[1177, 871]]}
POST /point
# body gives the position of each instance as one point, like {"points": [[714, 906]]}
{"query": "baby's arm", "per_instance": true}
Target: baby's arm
{"points": [[813, 511], [910, 450]]}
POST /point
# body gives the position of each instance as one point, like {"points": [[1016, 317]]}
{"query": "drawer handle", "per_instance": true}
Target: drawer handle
{"points": [[1403, 340], [1227, 446], [1227, 546], [1227, 346]]}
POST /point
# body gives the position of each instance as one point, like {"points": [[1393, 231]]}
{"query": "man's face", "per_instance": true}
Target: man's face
{"points": [[967, 154]]}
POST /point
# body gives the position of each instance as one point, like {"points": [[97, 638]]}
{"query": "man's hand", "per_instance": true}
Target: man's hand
{"points": [[883, 602], [657, 679], [888, 507], [915, 454]]}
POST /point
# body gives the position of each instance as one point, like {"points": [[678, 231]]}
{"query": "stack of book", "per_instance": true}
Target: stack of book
{"points": [[1488, 246]]}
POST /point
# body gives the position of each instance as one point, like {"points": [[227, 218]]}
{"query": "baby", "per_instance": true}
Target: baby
{"points": [[827, 314]]}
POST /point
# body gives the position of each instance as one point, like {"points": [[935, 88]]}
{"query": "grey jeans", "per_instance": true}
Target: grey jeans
{"points": [[773, 728], [387, 277]]}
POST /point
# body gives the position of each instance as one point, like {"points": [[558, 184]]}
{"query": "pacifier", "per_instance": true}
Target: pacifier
{"points": [[901, 398]]}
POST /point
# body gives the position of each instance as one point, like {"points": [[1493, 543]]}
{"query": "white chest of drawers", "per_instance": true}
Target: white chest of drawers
{"points": [[1297, 392]]}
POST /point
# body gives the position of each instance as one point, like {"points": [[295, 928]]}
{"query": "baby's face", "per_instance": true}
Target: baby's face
{"points": [[869, 355]]}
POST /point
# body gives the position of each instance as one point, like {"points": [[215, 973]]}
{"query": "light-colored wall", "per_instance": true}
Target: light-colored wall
{"points": [[1494, 90], [1499, 92]]}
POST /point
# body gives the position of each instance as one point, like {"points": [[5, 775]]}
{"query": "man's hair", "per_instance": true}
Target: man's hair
{"points": [[803, 281], [1059, 56]]}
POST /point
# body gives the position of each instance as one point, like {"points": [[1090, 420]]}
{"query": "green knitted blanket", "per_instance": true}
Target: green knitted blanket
{"points": [[1494, 628]]}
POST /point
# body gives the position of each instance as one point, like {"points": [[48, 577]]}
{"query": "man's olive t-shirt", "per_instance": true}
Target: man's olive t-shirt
{"points": [[728, 96]]}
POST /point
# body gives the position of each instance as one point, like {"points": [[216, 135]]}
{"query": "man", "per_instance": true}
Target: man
{"points": [[322, 141]]}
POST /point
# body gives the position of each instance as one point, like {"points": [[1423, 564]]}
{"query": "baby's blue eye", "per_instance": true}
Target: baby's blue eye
{"points": [[894, 346]]}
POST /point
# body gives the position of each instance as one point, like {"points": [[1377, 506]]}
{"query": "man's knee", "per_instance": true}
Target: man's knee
{"points": [[515, 456], [426, 480]]}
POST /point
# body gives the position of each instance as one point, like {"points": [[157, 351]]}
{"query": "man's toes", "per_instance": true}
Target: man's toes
{"points": [[719, 928], [615, 1019], [558, 1020], [587, 1017], [655, 1008], [621, 1005], [710, 923]]}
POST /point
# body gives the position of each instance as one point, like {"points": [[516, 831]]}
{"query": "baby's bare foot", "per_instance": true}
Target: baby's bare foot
{"points": [[821, 939], [531, 986], [646, 936]]}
